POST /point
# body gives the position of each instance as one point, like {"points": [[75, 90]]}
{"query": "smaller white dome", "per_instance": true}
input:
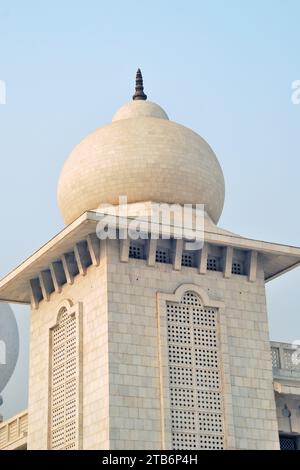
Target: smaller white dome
{"points": [[140, 108]]}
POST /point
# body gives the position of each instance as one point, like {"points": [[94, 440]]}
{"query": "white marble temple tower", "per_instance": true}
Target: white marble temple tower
{"points": [[143, 344]]}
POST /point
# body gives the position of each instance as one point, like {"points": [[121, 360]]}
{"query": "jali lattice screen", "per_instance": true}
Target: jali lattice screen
{"points": [[65, 381], [194, 375]]}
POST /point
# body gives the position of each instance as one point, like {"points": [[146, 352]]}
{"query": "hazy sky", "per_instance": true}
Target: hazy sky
{"points": [[224, 69]]}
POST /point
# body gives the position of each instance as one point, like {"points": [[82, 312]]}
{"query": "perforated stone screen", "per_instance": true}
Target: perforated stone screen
{"points": [[291, 359], [213, 263], [194, 375], [287, 443], [237, 267], [275, 357], [162, 256], [64, 381], [188, 260], [136, 250]]}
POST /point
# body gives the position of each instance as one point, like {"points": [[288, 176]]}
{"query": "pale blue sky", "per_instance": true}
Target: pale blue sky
{"points": [[222, 68]]}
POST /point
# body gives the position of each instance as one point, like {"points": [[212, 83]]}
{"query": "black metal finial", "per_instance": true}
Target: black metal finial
{"points": [[139, 87]]}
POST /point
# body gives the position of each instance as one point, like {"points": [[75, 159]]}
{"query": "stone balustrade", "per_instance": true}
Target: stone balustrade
{"points": [[13, 432]]}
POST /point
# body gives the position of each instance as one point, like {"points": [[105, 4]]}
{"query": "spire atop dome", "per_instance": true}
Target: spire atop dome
{"points": [[139, 87]]}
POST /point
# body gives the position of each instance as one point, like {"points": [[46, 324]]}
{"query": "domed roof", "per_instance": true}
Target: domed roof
{"points": [[138, 108], [144, 156]]}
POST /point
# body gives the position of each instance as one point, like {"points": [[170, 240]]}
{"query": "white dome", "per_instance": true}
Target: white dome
{"points": [[144, 156], [141, 108]]}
